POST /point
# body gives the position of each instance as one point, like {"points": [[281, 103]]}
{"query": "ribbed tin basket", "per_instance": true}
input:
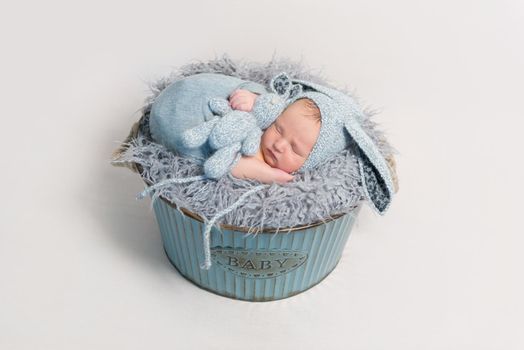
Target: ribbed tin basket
{"points": [[262, 267]]}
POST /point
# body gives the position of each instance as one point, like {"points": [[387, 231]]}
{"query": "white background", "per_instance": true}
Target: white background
{"points": [[82, 264]]}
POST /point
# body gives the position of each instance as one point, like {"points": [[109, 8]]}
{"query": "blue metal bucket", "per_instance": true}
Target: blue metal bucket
{"points": [[262, 267]]}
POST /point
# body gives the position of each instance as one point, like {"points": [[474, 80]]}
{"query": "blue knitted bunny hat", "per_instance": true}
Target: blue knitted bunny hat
{"points": [[341, 128]]}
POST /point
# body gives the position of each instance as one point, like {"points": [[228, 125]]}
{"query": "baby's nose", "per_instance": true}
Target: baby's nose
{"points": [[280, 145]]}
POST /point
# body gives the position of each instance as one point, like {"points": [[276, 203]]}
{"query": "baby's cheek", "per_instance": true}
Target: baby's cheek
{"points": [[295, 164], [286, 165]]}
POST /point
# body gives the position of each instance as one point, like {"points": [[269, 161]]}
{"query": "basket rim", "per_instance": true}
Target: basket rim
{"points": [[246, 229]]}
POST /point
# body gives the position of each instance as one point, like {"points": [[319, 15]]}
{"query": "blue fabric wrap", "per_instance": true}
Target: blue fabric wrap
{"points": [[184, 105]]}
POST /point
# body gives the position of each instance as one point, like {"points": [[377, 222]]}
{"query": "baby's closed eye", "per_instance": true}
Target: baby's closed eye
{"points": [[297, 150]]}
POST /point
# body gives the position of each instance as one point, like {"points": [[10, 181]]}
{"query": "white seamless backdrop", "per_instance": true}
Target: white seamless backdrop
{"points": [[82, 264]]}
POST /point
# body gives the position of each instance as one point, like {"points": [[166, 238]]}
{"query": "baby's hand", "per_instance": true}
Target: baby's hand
{"points": [[242, 100], [255, 169]]}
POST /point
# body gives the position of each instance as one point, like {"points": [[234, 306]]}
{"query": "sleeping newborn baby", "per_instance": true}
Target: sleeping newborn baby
{"points": [[284, 145], [238, 127]]}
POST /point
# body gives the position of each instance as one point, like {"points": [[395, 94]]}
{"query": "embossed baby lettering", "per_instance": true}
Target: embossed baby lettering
{"points": [[281, 262], [232, 261], [265, 264], [258, 264], [250, 265]]}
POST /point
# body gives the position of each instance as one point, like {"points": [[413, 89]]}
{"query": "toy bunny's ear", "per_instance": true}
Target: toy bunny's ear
{"points": [[281, 84], [375, 174]]}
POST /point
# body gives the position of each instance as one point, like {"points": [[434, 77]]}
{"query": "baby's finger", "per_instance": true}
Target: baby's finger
{"points": [[232, 95], [242, 107], [234, 99], [237, 101], [236, 93]]}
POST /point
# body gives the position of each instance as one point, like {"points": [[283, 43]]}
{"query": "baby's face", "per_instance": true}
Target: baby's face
{"points": [[286, 144]]}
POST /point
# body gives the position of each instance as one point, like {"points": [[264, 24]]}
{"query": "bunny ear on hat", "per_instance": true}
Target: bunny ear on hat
{"points": [[375, 173]]}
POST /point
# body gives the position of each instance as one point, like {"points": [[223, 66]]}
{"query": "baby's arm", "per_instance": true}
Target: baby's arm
{"points": [[254, 168], [242, 100]]}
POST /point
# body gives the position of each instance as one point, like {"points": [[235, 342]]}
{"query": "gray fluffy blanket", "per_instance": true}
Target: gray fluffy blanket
{"points": [[313, 196]]}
